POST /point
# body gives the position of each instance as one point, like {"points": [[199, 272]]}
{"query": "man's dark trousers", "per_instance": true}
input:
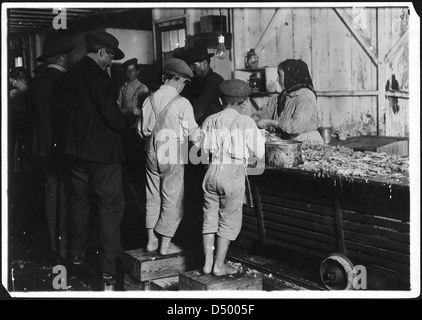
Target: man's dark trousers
{"points": [[107, 182]]}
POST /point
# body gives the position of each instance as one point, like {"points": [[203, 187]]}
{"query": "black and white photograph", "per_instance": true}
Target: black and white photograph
{"points": [[179, 150]]}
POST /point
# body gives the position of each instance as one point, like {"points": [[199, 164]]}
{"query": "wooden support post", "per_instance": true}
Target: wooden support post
{"points": [[259, 213], [381, 74], [338, 217]]}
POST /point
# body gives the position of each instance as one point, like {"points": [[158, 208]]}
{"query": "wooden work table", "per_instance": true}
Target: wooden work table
{"points": [[365, 219], [391, 145]]}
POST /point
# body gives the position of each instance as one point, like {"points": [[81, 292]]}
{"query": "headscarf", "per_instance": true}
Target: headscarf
{"points": [[296, 76]]}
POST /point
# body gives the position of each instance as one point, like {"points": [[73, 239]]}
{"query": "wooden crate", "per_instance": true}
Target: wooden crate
{"points": [[195, 280], [145, 266], [133, 284], [164, 284]]}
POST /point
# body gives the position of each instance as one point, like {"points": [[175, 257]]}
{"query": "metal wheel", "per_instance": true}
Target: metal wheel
{"points": [[336, 272]]}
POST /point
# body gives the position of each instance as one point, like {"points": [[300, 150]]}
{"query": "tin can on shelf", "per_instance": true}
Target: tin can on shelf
{"points": [[251, 59]]}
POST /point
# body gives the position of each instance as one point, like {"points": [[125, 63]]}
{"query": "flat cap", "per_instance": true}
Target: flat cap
{"points": [[130, 62], [178, 67], [235, 90]]}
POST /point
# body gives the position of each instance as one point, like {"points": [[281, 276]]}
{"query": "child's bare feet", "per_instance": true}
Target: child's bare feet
{"points": [[208, 265], [170, 249], [152, 246], [223, 270]]}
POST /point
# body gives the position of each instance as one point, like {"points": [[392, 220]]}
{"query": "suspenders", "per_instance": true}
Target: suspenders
{"points": [[159, 116]]}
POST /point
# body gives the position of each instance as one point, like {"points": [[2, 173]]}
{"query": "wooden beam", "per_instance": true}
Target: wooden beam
{"points": [[364, 42], [381, 71], [265, 31], [397, 94], [404, 38], [346, 93]]}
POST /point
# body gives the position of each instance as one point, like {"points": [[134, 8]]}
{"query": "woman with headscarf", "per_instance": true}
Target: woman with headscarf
{"points": [[294, 113]]}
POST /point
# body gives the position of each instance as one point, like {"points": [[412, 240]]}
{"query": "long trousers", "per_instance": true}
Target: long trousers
{"points": [[107, 184]]}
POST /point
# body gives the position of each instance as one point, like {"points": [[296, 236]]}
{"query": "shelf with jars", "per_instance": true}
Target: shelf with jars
{"points": [[263, 81]]}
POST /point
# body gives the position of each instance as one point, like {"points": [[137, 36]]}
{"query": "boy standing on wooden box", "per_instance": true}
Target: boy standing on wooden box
{"points": [[167, 121], [232, 138]]}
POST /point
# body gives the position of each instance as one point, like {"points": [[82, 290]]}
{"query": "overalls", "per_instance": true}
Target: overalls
{"points": [[224, 190], [164, 182]]}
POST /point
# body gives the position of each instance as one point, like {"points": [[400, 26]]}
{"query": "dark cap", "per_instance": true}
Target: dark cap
{"points": [[197, 54], [235, 90], [107, 40], [53, 46], [130, 62], [178, 67]]}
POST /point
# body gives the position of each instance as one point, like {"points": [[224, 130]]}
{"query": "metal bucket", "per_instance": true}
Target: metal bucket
{"points": [[326, 134], [283, 153]]}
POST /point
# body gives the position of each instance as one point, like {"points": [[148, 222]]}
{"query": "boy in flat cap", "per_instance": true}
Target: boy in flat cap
{"points": [[167, 121], [232, 138], [131, 93], [42, 93], [91, 124]]}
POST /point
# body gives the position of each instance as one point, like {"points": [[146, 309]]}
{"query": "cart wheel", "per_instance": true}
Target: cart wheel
{"points": [[336, 272]]}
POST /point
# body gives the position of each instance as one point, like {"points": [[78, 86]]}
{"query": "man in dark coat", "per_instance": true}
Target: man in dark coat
{"points": [[90, 136], [42, 101], [204, 89]]}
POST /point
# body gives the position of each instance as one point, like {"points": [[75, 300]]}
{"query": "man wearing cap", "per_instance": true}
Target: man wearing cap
{"points": [[167, 122], [43, 145], [131, 93], [91, 124], [232, 138], [205, 100]]}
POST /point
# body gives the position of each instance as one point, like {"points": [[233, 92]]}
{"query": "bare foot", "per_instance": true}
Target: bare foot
{"points": [[152, 246], [224, 270], [208, 265], [170, 249]]}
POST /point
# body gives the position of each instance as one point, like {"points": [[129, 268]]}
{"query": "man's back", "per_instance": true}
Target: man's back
{"points": [[206, 96], [91, 120], [42, 101]]}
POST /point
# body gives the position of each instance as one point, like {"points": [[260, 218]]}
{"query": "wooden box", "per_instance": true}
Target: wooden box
{"points": [[212, 24], [195, 280], [132, 284], [145, 266], [164, 284]]}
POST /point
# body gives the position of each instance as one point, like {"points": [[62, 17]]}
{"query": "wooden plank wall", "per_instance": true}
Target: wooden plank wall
{"points": [[350, 83], [343, 73]]}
